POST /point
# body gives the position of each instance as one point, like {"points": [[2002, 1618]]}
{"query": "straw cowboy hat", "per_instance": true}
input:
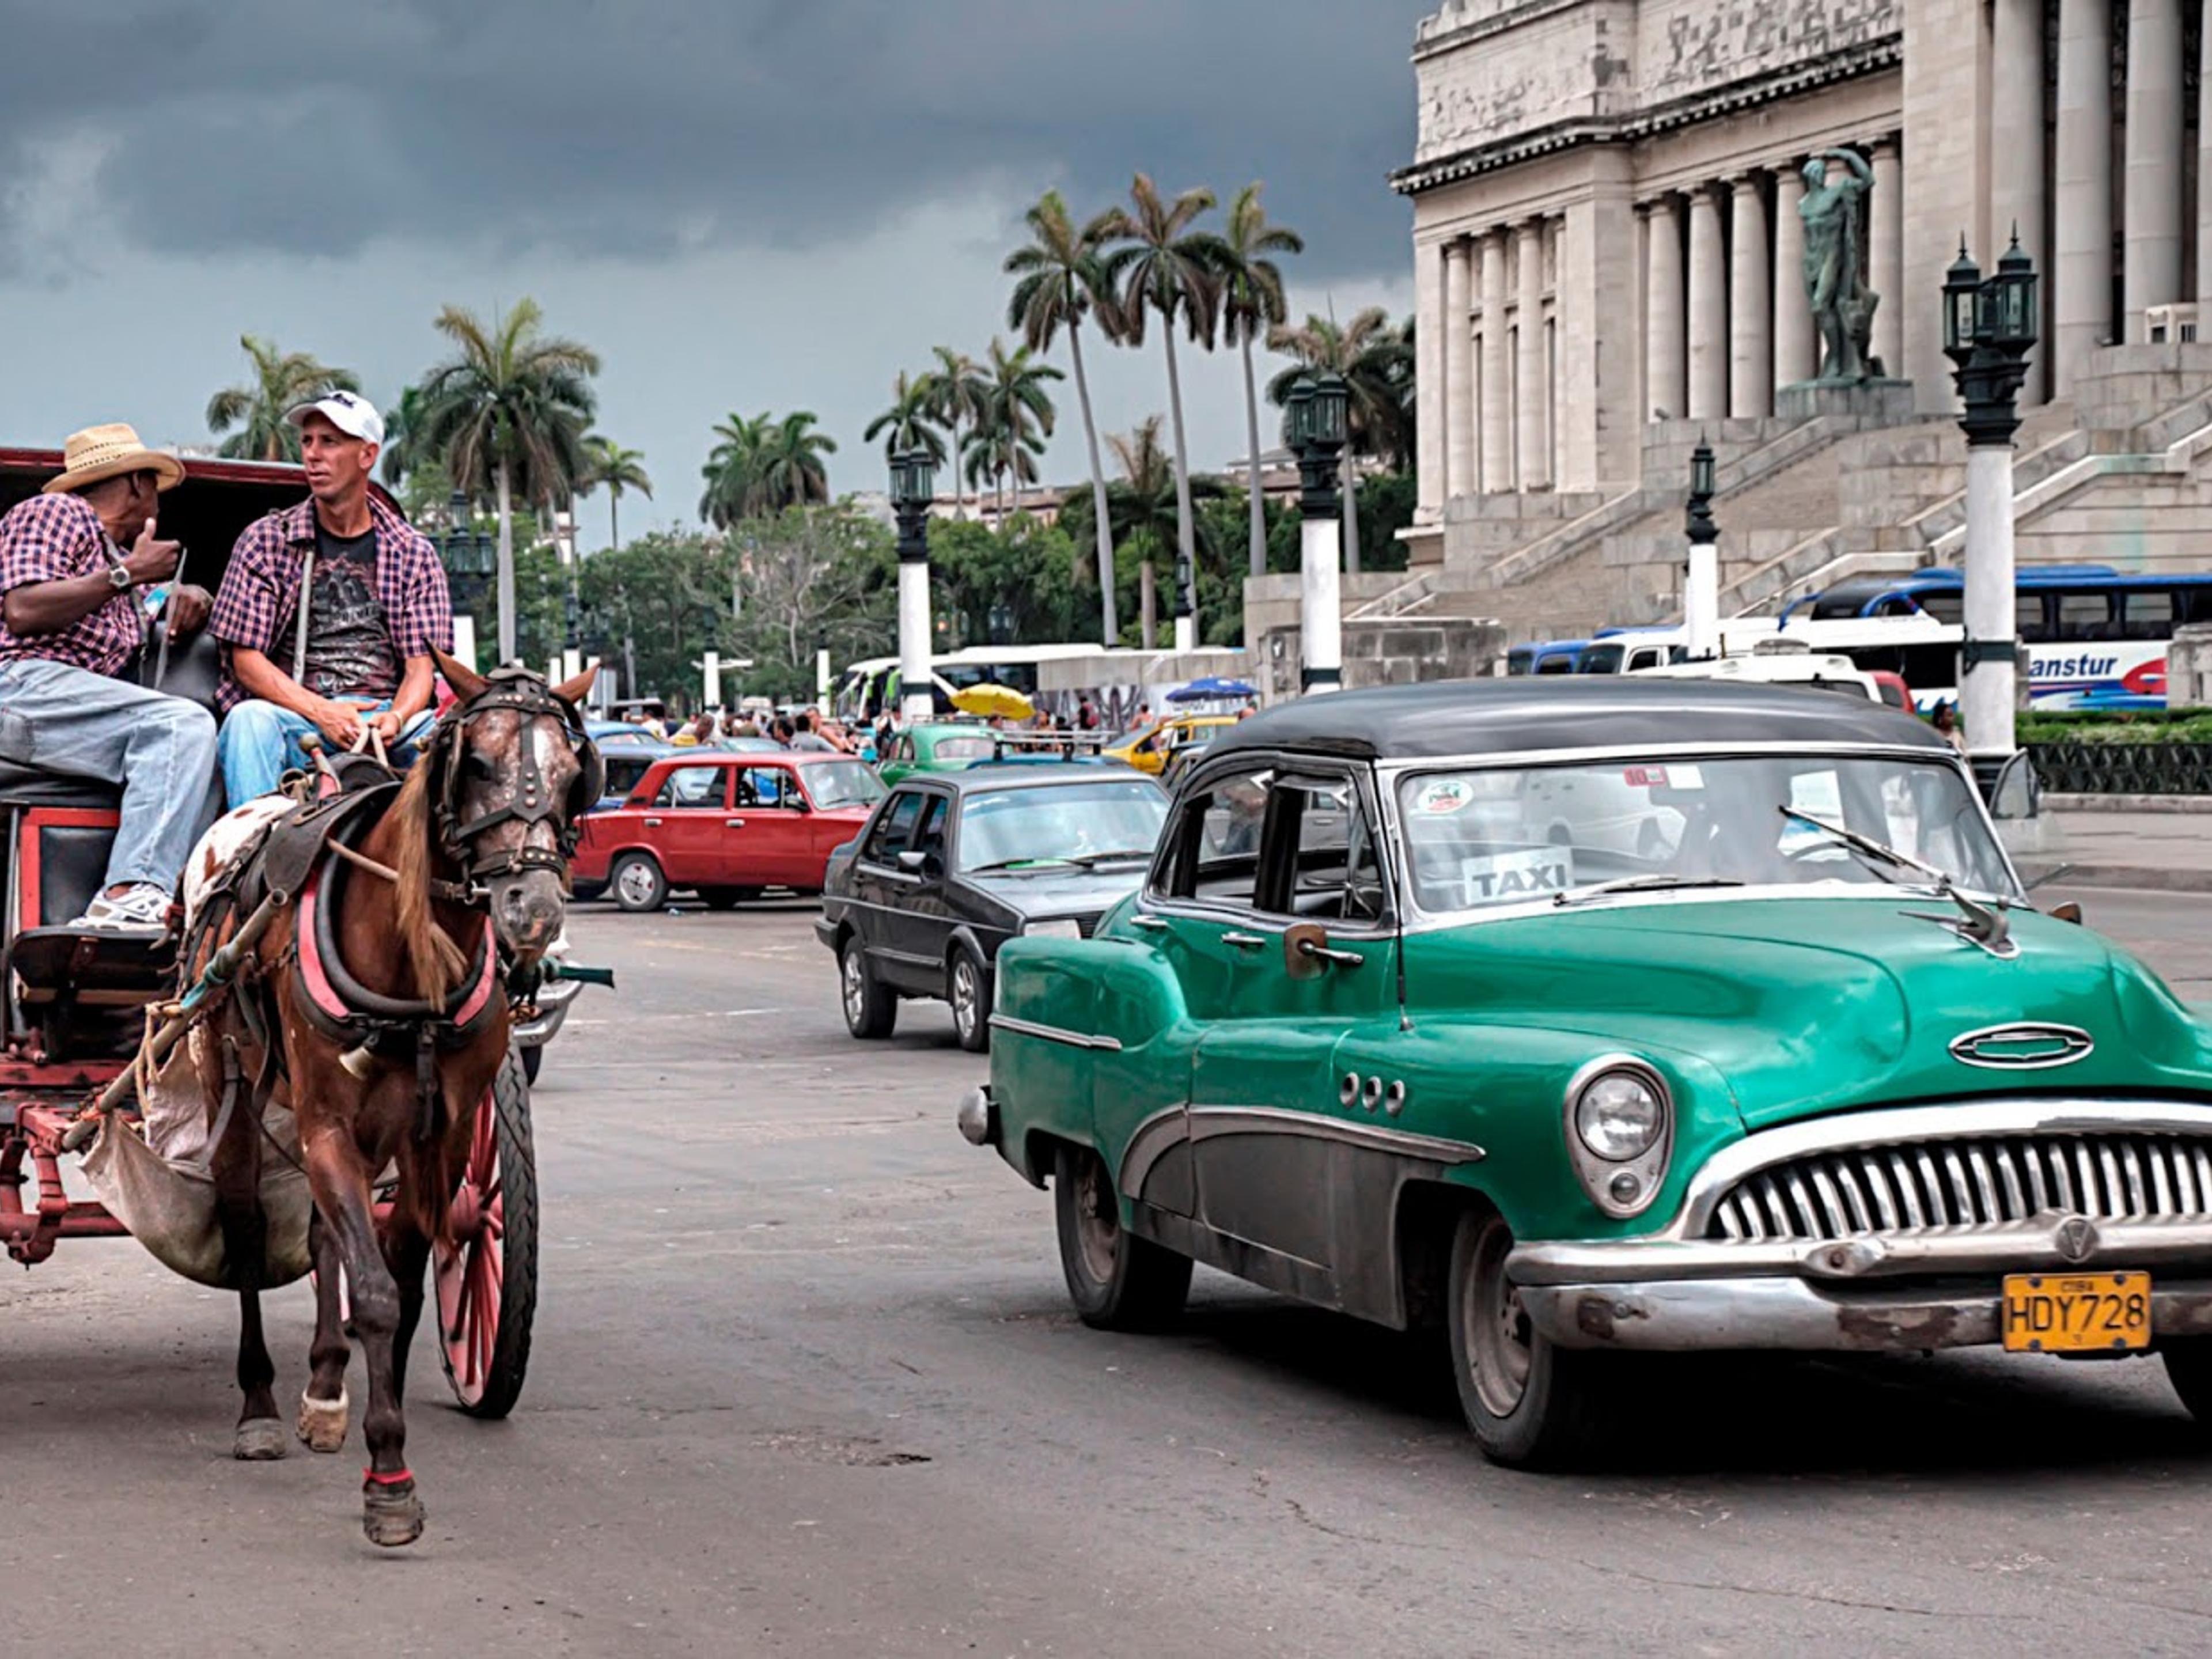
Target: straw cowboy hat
{"points": [[108, 451]]}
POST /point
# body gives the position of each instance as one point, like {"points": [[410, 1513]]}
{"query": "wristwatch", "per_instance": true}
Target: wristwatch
{"points": [[118, 577]]}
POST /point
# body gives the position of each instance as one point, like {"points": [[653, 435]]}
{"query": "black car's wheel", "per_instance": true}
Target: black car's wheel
{"points": [[585, 891], [719, 898], [1117, 1281], [968, 988], [637, 884], [1531, 1405], [870, 1006], [2189, 1368]]}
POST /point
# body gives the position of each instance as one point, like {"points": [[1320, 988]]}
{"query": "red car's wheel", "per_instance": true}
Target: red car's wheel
{"points": [[487, 1279]]}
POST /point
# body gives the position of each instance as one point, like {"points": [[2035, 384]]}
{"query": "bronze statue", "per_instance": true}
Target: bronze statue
{"points": [[1835, 265]]}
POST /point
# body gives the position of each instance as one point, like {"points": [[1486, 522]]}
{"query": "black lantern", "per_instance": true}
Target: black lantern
{"points": [[1002, 622], [2007, 320], [912, 489], [1317, 413], [1297, 414], [1332, 410], [1699, 526], [1962, 287]]}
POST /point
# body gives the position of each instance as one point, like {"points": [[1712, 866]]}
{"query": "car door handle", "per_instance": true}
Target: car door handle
{"points": [[733, 823], [1150, 924], [1243, 941], [653, 823], [1329, 953]]}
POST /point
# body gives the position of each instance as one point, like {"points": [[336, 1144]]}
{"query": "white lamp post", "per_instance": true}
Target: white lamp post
{"points": [[1701, 581], [1315, 419], [913, 487]]}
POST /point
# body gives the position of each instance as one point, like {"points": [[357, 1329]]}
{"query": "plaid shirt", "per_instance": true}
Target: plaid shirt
{"points": [[50, 538], [262, 584]]}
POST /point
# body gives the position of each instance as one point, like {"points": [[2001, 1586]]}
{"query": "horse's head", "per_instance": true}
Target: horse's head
{"points": [[516, 771]]}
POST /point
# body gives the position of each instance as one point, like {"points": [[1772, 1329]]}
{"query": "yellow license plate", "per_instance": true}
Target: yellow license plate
{"points": [[2077, 1313]]}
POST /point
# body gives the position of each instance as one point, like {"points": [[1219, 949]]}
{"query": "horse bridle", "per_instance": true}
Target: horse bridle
{"points": [[525, 694]]}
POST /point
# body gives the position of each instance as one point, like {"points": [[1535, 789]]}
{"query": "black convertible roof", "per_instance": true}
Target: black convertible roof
{"points": [[1525, 713]]}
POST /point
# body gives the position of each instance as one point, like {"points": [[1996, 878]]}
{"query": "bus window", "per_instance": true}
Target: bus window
{"points": [[1946, 604], [2031, 618], [2086, 616], [2192, 604], [1603, 659], [1520, 659], [2147, 613], [1556, 662]]}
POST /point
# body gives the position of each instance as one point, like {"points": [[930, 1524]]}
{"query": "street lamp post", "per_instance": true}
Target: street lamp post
{"points": [[1988, 329], [1701, 581], [469, 559], [1315, 420], [913, 487]]}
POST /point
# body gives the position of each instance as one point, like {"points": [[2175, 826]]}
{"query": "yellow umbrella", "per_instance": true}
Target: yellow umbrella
{"points": [[994, 702]]}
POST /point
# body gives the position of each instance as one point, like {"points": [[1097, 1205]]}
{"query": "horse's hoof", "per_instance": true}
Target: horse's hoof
{"points": [[259, 1440], [391, 1515], [323, 1422]]}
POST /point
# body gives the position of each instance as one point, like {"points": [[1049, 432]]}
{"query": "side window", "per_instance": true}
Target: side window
{"points": [[930, 837], [691, 787], [764, 786], [1335, 873], [894, 825], [1214, 857], [2028, 616], [2149, 613], [2085, 616]]}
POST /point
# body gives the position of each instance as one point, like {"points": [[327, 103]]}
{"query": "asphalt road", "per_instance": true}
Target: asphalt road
{"points": [[805, 1382]]}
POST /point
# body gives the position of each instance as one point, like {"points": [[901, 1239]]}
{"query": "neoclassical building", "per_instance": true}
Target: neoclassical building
{"points": [[1606, 238]]}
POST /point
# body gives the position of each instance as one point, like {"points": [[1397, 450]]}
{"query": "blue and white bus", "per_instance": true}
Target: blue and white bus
{"points": [[2096, 638]]}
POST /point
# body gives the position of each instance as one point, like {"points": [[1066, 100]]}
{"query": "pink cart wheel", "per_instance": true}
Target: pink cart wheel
{"points": [[487, 1279]]}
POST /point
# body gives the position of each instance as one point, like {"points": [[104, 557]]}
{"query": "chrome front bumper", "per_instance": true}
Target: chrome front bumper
{"points": [[1871, 1293], [553, 1000]]}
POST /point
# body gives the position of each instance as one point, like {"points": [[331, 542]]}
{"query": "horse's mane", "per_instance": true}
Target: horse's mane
{"points": [[437, 960]]}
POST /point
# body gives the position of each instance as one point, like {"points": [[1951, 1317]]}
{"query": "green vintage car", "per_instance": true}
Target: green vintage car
{"points": [[1587, 1015], [948, 748]]}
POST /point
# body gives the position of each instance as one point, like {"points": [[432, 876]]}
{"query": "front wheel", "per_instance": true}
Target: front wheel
{"points": [[968, 988], [1531, 1405], [637, 882], [1117, 1281], [871, 1007], [487, 1276]]}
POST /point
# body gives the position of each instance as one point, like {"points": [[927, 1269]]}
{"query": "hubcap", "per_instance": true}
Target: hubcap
{"points": [[637, 883], [1497, 1327], [964, 997], [1098, 1223], [856, 989]]}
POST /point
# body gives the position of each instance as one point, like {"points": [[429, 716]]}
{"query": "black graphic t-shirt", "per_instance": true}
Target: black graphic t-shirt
{"points": [[350, 649]]}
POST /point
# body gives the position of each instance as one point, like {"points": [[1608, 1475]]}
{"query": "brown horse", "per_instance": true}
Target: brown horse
{"points": [[380, 1022]]}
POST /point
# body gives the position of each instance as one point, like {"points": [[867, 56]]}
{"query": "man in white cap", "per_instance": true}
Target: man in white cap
{"points": [[70, 617], [328, 612]]}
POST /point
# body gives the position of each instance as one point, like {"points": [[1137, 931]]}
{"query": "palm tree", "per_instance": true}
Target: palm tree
{"points": [[1375, 359], [282, 382], [793, 468], [908, 420], [1251, 305], [607, 463], [509, 409], [734, 486], [956, 398], [1164, 266], [402, 437], [1018, 413], [1063, 278], [1142, 508]]}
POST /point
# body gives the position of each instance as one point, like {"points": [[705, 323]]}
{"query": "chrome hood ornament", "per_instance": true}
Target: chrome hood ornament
{"points": [[2024, 1048]]}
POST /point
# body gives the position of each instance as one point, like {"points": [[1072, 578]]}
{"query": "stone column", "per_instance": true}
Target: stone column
{"points": [[2151, 267], [2204, 186], [1532, 411], [1886, 257], [1709, 341], [1497, 406], [2017, 142], [1430, 412], [2081, 208], [1793, 314], [1663, 388], [1751, 339], [1459, 374]]}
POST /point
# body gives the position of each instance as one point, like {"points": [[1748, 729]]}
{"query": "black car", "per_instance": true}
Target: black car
{"points": [[952, 864]]}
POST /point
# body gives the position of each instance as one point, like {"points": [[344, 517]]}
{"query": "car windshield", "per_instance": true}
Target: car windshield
{"points": [[843, 783], [967, 746], [1064, 823], [1479, 839]]}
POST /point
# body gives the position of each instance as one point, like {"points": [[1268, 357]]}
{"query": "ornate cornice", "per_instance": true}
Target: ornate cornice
{"points": [[1573, 132]]}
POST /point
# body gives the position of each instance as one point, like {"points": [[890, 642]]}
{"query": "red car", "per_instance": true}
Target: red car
{"points": [[725, 825]]}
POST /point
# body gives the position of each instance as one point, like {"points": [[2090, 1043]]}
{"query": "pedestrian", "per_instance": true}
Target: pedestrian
{"points": [[1946, 721], [699, 733], [329, 611], [1086, 716], [806, 738], [780, 729], [69, 618]]}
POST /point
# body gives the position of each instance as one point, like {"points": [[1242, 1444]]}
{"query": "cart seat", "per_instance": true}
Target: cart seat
{"points": [[28, 786], [91, 967]]}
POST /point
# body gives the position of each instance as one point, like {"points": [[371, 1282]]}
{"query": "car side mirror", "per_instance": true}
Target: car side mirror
{"points": [[2070, 911], [915, 863]]}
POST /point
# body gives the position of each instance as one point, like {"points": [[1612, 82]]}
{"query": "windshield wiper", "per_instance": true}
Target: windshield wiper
{"points": [[1004, 864], [1869, 846], [1086, 859], [1641, 885], [1979, 923]]}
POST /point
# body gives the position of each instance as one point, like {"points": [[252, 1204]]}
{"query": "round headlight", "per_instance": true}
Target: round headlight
{"points": [[1619, 1116]]}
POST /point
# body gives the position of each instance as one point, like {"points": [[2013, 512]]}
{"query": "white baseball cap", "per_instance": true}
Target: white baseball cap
{"points": [[348, 412]]}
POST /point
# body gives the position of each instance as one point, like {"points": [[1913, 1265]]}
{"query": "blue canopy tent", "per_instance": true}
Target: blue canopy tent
{"points": [[1213, 689]]}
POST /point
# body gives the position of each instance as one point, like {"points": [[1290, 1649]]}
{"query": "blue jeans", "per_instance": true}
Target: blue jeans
{"points": [[161, 748], [260, 743]]}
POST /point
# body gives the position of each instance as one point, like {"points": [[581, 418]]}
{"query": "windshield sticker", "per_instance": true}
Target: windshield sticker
{"points": [[1496, 877], [1818, 792], [1664, 777], [1445, 795]]}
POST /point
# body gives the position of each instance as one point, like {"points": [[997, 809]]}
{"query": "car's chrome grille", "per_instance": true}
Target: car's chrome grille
{"points": [[1922, 1186]]}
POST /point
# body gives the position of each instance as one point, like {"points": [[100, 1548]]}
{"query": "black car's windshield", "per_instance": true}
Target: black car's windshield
{"points": [[843, 783], [1476, 839], [1064, 823]]}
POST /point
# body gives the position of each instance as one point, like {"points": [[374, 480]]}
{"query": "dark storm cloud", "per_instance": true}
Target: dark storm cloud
{"points": [[639, 128]]}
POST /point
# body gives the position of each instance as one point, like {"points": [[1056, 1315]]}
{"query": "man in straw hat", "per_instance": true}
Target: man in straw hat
{"points": [[70, 617], [329, 610]]}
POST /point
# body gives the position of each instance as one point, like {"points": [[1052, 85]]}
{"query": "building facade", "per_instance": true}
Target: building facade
{"points": [[1606, 235]]}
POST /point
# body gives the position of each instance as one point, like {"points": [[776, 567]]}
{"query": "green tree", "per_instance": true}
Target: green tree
{"points": [[281, 380], [507, 413], [403, 439], [665, 598], [1161, 264], [1020, 569], [1017, 416], [1142, 505], [763, 465], [812, 579], [907, 423], [609, 466], [1062, 280], [956, 399], [1376, 362], [1251, 306]]}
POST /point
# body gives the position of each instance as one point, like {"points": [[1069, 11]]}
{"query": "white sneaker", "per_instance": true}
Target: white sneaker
{"points": [[142, 908]]}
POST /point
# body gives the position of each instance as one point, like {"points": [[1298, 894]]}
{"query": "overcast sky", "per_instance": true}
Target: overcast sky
{"points": [[741, 204]]}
